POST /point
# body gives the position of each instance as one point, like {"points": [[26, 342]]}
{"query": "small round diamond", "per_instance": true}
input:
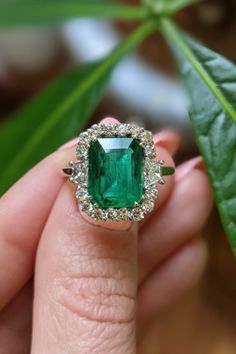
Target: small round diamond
{"points": [[109, 129], [146, 136], [103, 215], [91, 210], [84, 137], [151, 193], [81, 192], [148, 206], [79, 174], [84, 203], [113, 214], [149, 150], [123, 214], [122, 130], [134, 130], [82, 150], [136, 214]]}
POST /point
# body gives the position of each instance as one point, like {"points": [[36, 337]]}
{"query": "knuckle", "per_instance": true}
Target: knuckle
{"points": [[94, 294], [96, 298]]}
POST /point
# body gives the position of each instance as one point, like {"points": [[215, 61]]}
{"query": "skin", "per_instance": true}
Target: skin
{"points": [[92, 294]]}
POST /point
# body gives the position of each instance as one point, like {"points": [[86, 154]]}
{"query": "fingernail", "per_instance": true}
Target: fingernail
{"points": [[169, 140], [193, 164], [109, 120]]}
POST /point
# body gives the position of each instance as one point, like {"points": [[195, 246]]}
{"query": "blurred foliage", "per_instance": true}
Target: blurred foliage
{"points": [[58, 113], [34, 12]]}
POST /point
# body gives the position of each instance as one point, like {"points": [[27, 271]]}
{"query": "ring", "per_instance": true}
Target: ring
{"points": [[116, 172]]}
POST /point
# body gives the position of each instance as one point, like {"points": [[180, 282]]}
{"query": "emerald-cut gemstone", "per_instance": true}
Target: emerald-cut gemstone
{"points": [[115, 175]]}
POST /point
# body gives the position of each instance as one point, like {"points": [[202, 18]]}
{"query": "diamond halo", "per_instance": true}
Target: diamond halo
{"points": [[152, 172]]}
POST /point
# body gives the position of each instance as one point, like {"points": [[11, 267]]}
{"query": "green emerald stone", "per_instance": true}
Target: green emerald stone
{"points": [[115, 175]]}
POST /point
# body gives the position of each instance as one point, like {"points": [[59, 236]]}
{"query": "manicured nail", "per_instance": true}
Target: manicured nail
{"points": [[169, 140], [184, 169]]}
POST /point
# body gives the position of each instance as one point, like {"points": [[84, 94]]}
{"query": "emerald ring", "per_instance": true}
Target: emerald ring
{"points": [[116, 172]]}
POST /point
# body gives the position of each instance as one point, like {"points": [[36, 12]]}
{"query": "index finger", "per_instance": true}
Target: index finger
{"points": [[23, 212]]}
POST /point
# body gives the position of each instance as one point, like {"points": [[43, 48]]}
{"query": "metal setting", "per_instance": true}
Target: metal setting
{"points": [[153, 172]]}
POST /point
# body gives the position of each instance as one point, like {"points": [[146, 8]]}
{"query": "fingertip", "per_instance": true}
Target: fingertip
{"points": [[109, 120], [169, 140], [185, 168]]}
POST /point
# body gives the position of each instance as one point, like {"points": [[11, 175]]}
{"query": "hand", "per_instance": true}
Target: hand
{"points": [[89, 288]]}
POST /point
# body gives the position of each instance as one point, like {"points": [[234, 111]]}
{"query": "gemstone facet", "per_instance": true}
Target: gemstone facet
{"points": [[115, 172]]}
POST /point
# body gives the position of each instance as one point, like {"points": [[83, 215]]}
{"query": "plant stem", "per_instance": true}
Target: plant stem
{"points": [[174, 36], [165, 7]]}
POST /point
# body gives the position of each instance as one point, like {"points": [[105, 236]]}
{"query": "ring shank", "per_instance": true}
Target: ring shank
{"points": [[167, 170]]}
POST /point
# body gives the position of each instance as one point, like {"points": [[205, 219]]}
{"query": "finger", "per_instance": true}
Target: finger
{"points": [[23, 212], [86, 283], [169, 140], [15, 323], [176, 275], [182, 217]]}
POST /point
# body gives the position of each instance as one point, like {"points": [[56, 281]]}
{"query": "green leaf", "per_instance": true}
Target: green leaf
{"points": [[30, 12], [58, 113], [210, 80]]}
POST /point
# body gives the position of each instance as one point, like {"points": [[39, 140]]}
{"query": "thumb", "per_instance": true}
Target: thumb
{"points": [[85, 284]]}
